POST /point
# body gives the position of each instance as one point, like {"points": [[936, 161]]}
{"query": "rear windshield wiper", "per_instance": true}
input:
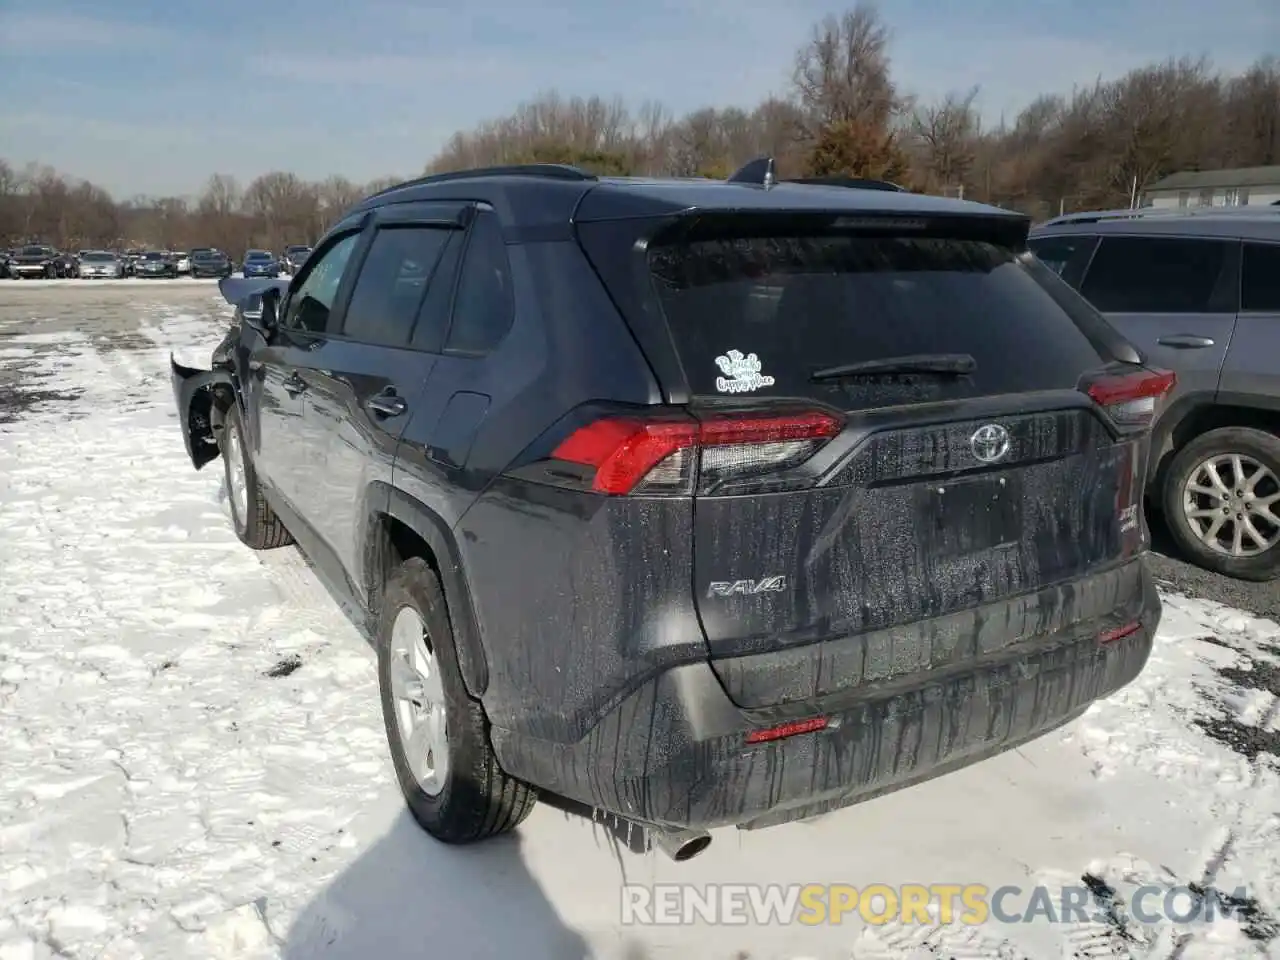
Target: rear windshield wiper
{"points": [[939, 364]]}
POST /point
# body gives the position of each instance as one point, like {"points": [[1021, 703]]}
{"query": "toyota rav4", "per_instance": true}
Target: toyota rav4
{"points": [[700, 503]]}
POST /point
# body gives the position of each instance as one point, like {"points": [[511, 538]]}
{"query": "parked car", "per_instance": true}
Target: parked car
{"points": [[1199, 293], [100, 263], [181, 260], [131, 259], [207, 262], [625, 532], [261, 263], [295, 256], [34, 260], [155, 263]]}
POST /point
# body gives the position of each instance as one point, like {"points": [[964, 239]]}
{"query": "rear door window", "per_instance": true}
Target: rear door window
{"points": [[757, 316], [1260, 281], [392, 284], [1067, 256], [1158, 275]]}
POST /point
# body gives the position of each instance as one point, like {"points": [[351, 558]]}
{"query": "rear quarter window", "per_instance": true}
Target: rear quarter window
{"points": [[798, 303]]}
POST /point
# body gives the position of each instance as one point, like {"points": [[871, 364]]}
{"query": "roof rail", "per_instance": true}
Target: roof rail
{"points": [[553, 171], [1143, 213], [852, 182]]}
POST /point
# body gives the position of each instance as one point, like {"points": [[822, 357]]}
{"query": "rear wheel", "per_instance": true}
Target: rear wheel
{"points": [[1222, 502], [438, 735], [255, 523]]}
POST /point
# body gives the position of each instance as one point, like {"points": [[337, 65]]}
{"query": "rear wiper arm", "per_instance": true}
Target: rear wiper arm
{"points": [[942, 364]]}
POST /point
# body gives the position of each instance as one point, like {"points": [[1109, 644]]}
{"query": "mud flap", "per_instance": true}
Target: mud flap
{"points": [[193, 392]]}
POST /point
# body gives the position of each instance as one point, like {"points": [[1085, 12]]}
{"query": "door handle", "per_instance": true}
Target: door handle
{"points": [[1185, 341], [294, 384], [388, 403]]}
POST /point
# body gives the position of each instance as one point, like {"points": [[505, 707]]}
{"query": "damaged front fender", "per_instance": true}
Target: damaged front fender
{"points": [[201, 397]]}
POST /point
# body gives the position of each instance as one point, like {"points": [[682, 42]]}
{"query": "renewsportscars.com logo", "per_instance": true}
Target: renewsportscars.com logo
{"points": [[916, 903]]}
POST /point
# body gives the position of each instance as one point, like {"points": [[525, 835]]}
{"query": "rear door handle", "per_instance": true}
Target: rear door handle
{"points": [[386, 404], [294, 384], [1185, 341]]}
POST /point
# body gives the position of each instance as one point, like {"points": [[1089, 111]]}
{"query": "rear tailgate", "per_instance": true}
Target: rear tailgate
{"points": [[881, 506]]}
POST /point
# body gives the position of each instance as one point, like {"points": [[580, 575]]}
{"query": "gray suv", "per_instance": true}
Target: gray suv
{"points": [[1198, 292]]}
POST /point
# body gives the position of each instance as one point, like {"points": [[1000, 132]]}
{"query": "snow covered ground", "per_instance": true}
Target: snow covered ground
{"points": [[192, 759]]}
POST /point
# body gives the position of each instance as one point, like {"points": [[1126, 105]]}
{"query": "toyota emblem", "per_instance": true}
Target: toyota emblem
{"points": [[990, 443]]}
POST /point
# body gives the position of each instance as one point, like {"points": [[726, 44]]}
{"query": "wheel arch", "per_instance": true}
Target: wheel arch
{"points": [[1199, 413], [401, 528]]}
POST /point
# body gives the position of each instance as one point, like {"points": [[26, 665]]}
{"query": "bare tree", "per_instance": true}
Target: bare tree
{"points": [[842, 74], [1147, 119], [1251, 110], [12, 203], [284, 208], [946, 136]]}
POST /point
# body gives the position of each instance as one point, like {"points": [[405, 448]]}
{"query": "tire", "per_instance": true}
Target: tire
{"points": [[1258, 447], [258, 527], [474, 799]]}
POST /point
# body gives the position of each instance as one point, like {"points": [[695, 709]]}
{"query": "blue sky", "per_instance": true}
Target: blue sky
{"points": [[145, 96]]}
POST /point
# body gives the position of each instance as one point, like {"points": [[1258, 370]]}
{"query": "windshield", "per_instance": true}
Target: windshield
{"points": [[153, 256], [206, 255], [257, 255], [297, 251], [36, 251], [95, 256]]}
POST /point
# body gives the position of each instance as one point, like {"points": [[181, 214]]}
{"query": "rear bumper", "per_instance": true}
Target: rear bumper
{"points": [[674, 753]]}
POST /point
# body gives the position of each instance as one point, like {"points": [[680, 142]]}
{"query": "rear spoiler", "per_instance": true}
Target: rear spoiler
{"points": [[247, 293]]}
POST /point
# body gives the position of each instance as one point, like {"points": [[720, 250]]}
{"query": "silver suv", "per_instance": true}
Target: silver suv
{"points": [[1198, 292]]}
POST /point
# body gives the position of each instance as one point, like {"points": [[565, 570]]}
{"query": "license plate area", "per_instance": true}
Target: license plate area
{"points": [[971, 515]]}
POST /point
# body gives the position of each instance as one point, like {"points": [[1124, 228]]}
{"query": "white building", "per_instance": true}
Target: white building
{"points": [[1243, 186]]}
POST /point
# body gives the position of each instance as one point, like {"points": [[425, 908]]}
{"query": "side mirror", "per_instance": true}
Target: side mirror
{"points": [[261, 311]]}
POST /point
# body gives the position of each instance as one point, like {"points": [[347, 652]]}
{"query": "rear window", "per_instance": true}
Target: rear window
{"points": [[755, 317]]}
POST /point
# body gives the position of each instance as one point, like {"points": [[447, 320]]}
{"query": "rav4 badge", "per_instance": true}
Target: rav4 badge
{"points": [[746, 588]]}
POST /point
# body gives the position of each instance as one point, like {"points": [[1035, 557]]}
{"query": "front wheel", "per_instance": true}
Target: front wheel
{"points": [[255, 523], [1221, 499], [438, 735]]}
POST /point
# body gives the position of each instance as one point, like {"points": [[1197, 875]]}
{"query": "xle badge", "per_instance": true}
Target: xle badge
{"points": [[741, 373], [746, 588]]}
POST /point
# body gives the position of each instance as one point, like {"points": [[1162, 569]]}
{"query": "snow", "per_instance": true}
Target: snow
{"points": [[165, 791]]}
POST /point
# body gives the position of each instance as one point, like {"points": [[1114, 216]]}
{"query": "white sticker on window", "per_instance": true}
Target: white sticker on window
{"points": [[741, 373]]}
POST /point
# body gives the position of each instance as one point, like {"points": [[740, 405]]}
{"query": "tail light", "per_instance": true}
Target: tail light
{"points": [[1132, 400], [633, 455]]}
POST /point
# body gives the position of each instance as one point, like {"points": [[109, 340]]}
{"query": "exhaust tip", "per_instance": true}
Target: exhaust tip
{"points": [[691, 848], [680, 845]]}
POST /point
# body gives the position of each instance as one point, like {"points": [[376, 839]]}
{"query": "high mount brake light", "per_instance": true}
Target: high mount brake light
{"points": [[635, 455], [1132, 399]]}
